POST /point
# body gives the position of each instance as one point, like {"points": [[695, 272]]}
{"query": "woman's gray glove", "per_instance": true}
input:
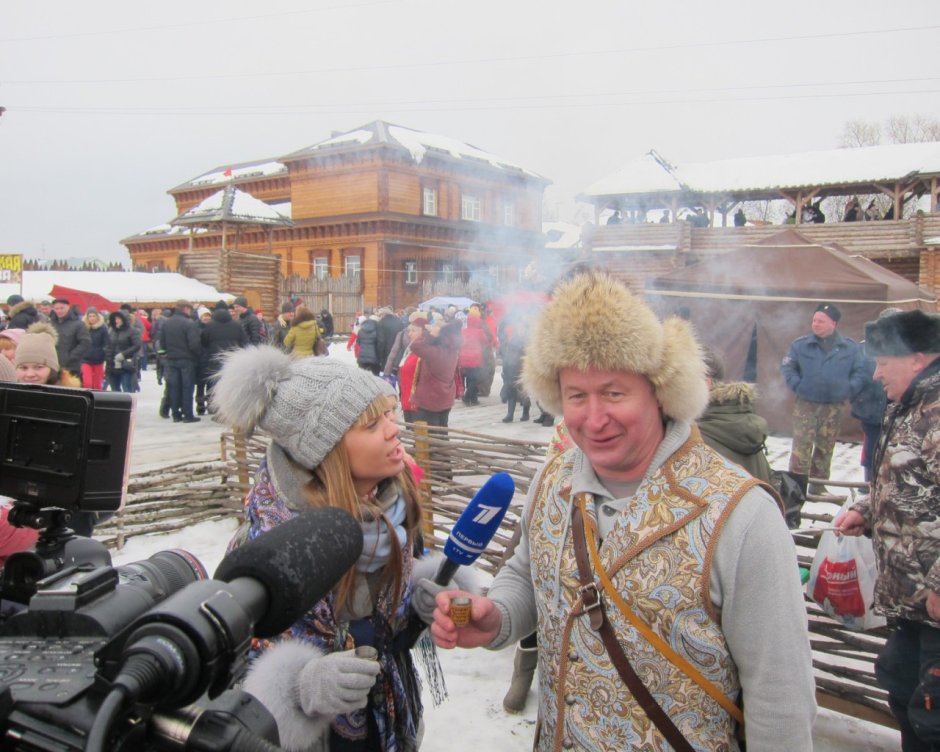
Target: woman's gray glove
{"points": [[336, 683], [424, 589], [305, 689]]}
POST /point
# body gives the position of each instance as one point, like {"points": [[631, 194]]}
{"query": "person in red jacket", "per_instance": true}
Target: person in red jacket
{"points": [[475, 340]]}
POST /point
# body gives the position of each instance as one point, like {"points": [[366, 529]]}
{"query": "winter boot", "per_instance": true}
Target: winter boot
{"points": [[510, 409], [523, 670], [525, 412]]}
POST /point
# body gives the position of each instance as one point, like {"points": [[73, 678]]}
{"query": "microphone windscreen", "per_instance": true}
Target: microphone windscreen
{"points": [[297, 562], [479, 522]]}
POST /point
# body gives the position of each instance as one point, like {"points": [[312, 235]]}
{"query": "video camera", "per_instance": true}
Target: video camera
{"points": [[138, 657]]}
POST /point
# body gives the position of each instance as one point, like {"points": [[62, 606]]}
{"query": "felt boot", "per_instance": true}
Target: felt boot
{"points": [[525, 412], [523, 672], [510, 409]]}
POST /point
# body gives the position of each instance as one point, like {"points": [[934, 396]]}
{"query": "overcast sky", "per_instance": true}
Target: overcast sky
{"points": [[110, 104]]}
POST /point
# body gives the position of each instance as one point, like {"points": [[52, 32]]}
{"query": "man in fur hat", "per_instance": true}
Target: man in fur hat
{"points": [[902, 515], [643, 547]]}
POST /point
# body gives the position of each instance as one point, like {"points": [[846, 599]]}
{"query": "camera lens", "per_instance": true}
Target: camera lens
{"points": [[164, 573]]}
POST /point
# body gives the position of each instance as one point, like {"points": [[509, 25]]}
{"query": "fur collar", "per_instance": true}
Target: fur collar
{"points": [[733, 392]]}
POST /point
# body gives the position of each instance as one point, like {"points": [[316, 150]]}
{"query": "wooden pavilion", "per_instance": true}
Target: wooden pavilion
{"points": [[906, 173]]}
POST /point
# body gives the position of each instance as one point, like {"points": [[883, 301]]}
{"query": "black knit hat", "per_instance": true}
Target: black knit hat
{"points": [[830, 310], [903, 333]]}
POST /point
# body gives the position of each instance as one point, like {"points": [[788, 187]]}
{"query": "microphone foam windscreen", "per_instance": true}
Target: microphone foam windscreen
{"points": [[298, 562]]}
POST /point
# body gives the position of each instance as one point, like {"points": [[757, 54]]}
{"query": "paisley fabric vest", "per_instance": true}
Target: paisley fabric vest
{"points": [[658, 556]]}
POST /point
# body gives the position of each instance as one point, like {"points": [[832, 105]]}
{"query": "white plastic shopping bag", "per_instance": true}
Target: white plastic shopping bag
{"points": [[842, 580]]}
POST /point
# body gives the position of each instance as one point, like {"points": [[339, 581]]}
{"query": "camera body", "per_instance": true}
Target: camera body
{"points": [[67, 614]]}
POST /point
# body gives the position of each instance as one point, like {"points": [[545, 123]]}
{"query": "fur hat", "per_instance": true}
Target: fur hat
{"points": [[903, 333], [38, 346], [830, 310], [593, 321], [306, 405]]}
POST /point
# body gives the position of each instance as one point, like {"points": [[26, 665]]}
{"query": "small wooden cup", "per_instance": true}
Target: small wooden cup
{"points": [[460, 611]]}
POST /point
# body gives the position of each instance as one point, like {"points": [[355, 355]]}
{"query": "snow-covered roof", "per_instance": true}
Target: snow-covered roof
{"points": [[167, 229], [259, 168], [862, 166], [121, 287], [232, 205], [417, 143], [561, 235]]}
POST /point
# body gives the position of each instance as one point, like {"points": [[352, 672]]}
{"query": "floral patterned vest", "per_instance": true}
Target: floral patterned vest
{"points": [[658, 556]]}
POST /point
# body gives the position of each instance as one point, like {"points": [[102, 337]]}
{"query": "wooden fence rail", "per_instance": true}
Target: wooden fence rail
{"points": [[456, 463]]}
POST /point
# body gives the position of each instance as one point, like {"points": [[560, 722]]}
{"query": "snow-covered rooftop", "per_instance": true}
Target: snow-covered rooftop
{"points": [[862, 166], [231, 173], [121, 287], [417, 143], [561, 235], [232, 205]]}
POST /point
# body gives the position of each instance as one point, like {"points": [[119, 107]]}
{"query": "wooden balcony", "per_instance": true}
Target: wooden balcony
{"points": [[908, 247]]}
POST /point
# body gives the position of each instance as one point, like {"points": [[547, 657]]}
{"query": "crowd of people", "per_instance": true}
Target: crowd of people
{"points": [[109, 349], [652, 585]]}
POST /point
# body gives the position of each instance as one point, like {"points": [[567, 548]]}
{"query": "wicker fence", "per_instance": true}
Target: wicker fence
{"points": [[456, 463]]}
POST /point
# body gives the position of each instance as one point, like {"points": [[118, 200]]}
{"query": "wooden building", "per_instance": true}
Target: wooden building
{"points": [[392, 206], [641, 246]]}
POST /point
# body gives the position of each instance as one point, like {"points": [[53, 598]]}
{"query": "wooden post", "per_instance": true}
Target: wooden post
{"points": [[423, 458], [241, 458]]}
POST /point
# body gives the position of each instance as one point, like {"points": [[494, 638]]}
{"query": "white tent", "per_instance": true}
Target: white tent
{"points": [[121, 287]]}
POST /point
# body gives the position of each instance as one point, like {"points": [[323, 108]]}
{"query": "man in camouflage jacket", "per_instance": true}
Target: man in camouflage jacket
{"points": [[902, 514]]}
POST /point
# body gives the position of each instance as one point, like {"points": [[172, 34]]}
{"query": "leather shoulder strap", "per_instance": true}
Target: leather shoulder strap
{"points": [[599, 623]]}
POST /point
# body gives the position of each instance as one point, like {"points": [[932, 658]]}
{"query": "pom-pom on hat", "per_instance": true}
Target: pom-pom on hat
{"points": [[830, 310], [306, 405], [593, 321], [902, 333], [38, 346]]}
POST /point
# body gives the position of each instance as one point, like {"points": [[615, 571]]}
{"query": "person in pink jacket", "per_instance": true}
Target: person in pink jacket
{"points": [[475, 340]]}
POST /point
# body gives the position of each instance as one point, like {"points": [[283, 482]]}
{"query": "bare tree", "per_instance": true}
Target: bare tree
{"points": [[859, 133], [913, 129]]}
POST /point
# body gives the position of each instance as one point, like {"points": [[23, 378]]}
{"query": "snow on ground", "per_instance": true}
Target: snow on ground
{"points": [[472, 717]]}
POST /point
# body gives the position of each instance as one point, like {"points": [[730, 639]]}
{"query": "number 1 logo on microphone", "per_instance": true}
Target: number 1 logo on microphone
{"points": [[486, 514]]}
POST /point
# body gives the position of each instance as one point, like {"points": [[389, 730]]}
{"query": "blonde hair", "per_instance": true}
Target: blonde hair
{"points": [[332, 486]]}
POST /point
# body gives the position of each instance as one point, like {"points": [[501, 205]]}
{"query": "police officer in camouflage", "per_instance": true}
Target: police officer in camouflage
{"points": [[824, 370], [902, 515]]}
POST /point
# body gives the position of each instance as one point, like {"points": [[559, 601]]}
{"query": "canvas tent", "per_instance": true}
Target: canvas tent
{"points": [[762, 297]]}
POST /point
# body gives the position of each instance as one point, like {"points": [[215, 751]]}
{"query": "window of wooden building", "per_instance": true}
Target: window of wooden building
{"points": [[447, 272], [352, 264], [411, 272], [471, 207], [321, 267], [429, 201], [509, 213]]}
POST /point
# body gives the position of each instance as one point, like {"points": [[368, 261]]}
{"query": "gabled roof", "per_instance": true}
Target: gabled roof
{"points": [[242, 171], [833, 167], [418, 144], [234, 206], [788, 266]]}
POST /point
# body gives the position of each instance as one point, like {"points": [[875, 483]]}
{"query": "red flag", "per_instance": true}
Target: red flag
{"points": [[228, 172]]}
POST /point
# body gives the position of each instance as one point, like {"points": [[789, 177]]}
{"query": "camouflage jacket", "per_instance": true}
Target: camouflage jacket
{"points": [[903, 511]]}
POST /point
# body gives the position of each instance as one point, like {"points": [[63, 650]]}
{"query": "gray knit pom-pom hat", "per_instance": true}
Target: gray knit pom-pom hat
{"points": [[306, 405]]}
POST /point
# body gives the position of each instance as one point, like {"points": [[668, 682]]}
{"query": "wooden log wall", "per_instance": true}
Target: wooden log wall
{"points": [[342, 296], [456, 464]]}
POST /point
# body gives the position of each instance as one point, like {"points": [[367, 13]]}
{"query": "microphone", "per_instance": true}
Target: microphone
{"points": [[476, 526], [196, 641]]}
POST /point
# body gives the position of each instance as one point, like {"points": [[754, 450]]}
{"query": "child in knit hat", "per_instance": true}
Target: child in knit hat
{"points": [[37, 361], [334, 442]]}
